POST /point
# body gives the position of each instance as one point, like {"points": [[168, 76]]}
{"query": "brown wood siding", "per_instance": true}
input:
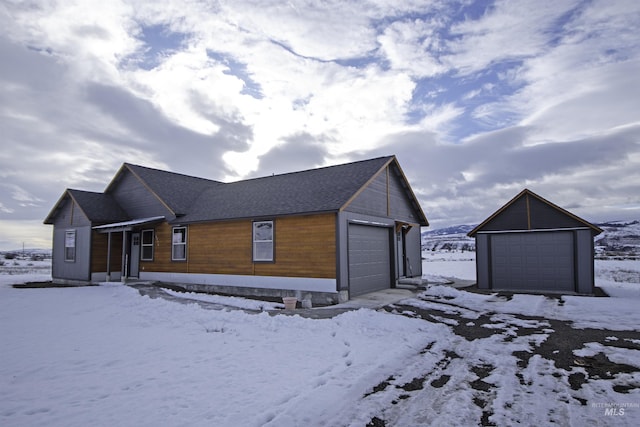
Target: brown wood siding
{"points": [[99, 242], [305, 246], [162, 252], [220, 248]]}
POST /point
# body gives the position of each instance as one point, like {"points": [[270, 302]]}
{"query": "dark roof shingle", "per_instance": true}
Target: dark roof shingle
{"points": [[316, 190], [99, 207], [176, 190]]}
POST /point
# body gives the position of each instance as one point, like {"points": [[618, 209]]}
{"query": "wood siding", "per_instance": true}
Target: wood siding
{"points": [[99, 250], [162, 252], [305, 246]]}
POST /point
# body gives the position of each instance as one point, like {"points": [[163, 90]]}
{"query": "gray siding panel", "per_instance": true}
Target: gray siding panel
{"points": [[373, 199], [137, 200], [399, 201], [545, 216], [584, 261], [483, 261], [513, 218], [78, 269], [71, 217], [386, 196]]}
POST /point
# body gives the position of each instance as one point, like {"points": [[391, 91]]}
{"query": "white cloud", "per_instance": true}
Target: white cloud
{"points": [[507, 31], [236, 89], [413, 47]]}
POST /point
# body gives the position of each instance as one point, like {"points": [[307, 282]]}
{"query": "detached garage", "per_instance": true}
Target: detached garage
{"points": [[532, 245]]}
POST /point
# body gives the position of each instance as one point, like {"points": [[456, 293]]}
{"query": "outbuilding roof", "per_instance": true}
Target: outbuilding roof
{"points": [[529, 211]]}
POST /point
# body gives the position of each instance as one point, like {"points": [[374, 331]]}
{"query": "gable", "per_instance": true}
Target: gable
{"points": [[388, 195], [176, 191], [67, 213], [77, 207], [528, 211], [135, 198]]}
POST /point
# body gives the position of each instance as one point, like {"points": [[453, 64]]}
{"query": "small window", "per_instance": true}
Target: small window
{"points": [[147, 245], [179, 244], [263, 241], [70, 246]]}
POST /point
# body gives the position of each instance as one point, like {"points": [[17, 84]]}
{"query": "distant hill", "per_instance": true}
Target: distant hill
{"points": [[449, 239], [621, 239]]}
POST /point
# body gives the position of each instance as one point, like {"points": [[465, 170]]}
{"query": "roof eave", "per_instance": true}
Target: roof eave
{"points": [[182, 221]]}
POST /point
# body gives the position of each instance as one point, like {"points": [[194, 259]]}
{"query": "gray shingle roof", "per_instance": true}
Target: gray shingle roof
{"points": [[193, 199], [98, 207], [317, 190], [176, 190]]}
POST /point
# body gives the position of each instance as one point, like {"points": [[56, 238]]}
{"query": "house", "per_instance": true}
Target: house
{"points": [[330, 233], [530, 244]]}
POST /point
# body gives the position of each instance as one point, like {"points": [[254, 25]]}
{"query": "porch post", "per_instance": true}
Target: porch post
{"points": [[109, 257], [123, 277]]}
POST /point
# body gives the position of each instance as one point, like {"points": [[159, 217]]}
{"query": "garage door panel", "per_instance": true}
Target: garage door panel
{"points": [[369, 259], [538, 261]]}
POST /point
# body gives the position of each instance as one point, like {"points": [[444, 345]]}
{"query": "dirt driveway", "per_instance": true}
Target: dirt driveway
{"points": [[515, 369]]}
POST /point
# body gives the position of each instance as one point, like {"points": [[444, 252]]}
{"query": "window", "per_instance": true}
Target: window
{"points": [[179, 244], [263, 241], [70, 245], [147, 245]]}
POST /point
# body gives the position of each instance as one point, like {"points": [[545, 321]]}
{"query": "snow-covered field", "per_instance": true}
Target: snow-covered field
{"points": [[105, 355]]}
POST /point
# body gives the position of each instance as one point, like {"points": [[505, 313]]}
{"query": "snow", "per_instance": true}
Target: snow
{"points": [[105, 355]]}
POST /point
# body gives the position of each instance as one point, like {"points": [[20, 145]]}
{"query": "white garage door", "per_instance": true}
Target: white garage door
{"points": [[369, 259], [538, 261]]}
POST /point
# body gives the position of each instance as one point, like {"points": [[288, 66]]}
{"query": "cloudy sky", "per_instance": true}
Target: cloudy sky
{"points": [[477, 99]]}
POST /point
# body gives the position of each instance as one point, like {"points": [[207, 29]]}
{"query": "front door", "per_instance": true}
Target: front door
{"points": [[401, 251], [134, 262]]}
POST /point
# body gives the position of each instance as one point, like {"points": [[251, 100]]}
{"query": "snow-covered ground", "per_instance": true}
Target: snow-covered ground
{"points": [[105, 355]]}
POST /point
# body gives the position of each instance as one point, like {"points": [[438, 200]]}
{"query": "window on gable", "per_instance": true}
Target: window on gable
{"points": [[179, 244], [263, 241], [70, 245], [147, 245]]}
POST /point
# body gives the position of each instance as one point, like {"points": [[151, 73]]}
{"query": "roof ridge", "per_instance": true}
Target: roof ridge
{"points": [[311, 169], [171, 172]]}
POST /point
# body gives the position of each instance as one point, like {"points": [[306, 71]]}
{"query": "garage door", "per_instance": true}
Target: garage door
{"points": [[538, 261], [369, 259]]}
